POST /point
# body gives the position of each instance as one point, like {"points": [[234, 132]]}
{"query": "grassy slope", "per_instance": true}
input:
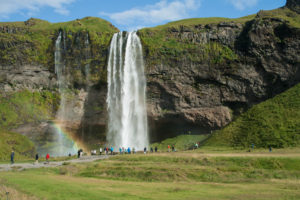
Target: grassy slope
{"points": [[275, 122], [181, 143], [22, 146], [163, 176]]}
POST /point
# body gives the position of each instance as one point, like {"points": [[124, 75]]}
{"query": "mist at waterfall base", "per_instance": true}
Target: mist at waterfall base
{"points": [[126, 96]]}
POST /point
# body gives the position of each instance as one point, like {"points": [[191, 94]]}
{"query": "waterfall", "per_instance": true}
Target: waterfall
{"points": [[126, 96], [64, 144], [59, 71], [87, 58]]}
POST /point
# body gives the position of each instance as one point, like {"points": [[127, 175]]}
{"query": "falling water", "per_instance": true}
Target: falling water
{"points": [[87, 58], [126, 97], [64, 144]]}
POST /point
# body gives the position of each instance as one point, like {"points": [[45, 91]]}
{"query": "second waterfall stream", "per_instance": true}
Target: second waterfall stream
{"points": [[126, 96]]}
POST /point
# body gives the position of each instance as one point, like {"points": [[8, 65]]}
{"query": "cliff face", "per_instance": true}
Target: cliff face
{"points": [[27, 65], [293, 5], [222, 70]]}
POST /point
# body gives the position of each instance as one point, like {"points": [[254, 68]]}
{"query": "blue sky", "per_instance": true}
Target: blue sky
{"points": [[131, 14]]}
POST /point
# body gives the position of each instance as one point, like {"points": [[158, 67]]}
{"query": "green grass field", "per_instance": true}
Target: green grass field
{"points": [[182, 175]]}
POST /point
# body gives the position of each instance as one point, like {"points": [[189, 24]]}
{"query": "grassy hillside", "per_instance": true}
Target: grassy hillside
{"points": [[181, 143], [275, 122], [22, 146]]}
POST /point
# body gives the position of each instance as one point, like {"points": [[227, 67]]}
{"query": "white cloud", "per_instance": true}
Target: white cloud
{"points": [[153, 14], [243, 4], [9, 7]]}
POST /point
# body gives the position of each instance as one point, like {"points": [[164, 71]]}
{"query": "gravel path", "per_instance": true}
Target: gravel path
{"points": [[21, 166]]}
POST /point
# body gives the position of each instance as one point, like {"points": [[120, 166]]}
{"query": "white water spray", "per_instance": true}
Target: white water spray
{"points": [[64, 145], [126, 97]]}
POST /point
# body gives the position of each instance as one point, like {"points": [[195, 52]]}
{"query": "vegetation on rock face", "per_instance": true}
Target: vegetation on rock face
{"points": [[33, 41], [26, 107], [161, 45], [275, 123], [170, 41], [22, 146]]}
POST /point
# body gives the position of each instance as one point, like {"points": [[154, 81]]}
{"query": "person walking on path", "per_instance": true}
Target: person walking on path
{"points": [[100, 150], [173, 148], [151, 149], [155, 149], [12, 157], [145, 150], [47, 157], [169, 148], [36, 158], [111, 150], [120, 150]]}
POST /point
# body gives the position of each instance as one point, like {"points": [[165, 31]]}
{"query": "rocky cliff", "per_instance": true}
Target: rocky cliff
{"points": [[203, 73]]}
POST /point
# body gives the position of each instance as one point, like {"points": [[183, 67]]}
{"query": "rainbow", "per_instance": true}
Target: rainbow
{"points": [[67, 142]]}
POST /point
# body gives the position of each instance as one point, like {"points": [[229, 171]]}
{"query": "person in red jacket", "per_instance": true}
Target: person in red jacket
{"points": [[47, 157]]}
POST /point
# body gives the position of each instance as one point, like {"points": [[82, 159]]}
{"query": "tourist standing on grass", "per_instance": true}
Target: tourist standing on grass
{"points": [[145, 150], [173, 148], [100, 150], [169, 148], [155, 149], [36, 158], [12, 157], [151, 149], [47, 157], [120, 150]]}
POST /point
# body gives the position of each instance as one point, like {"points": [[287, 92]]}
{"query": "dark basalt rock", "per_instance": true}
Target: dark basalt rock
{"points": [[187, 96], [293, 5]]}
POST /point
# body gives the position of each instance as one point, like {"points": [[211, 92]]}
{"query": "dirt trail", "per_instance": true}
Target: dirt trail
{"points": [[21, 166]]}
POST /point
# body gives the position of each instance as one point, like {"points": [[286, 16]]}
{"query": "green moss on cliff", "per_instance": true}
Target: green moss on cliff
{"points": [[33, 41], [22, 146], [275, 122], [284, 13], [25, 107], [164, 45]]}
